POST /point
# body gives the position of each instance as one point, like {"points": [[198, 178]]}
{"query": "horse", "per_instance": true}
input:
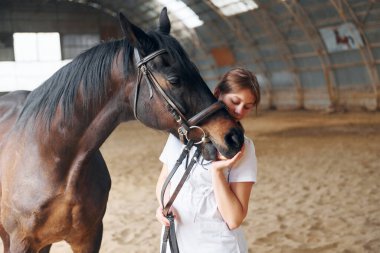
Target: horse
{"points": [[345, 40], [54, 181]]}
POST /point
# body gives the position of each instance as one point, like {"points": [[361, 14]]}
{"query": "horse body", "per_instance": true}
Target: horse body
{"points": [[78, 199], [10, 107], [65, 176], [54, 180]]}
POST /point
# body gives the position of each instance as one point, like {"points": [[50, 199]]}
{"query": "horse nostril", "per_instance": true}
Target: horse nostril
{"points": [[235, 138]]}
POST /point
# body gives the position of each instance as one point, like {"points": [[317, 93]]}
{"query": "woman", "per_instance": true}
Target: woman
{"points": [[213, 202]]}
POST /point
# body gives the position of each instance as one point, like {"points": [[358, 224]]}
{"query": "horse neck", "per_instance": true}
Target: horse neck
{"points": [[92, 127]]}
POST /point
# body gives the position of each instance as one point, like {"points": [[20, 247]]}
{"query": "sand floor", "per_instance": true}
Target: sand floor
{"points": [[318, 187]]}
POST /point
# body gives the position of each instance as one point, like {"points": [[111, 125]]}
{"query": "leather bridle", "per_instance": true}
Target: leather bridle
{"points": [[185, 126]]}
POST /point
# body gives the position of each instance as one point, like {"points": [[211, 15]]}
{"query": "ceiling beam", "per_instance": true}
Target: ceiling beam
{"points": [[311, 32], [238, 28], [342, 7], [266, 21]]}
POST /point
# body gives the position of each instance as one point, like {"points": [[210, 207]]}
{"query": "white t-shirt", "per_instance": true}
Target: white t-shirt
{"points": [[199, 225]]}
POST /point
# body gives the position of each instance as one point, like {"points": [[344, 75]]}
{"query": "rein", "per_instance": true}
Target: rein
{"points": [[185, 126], [169, 233]]}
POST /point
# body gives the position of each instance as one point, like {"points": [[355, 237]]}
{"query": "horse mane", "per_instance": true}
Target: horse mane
{"points": [[87, 73]]}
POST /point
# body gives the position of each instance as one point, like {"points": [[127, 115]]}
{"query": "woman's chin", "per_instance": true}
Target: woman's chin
{"points": [[237, 118]]}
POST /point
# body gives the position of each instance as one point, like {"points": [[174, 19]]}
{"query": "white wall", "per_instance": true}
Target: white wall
{"points": [[26, 75]]}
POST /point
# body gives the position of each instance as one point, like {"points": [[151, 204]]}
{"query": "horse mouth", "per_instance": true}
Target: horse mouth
{"points": [[209, 152]]}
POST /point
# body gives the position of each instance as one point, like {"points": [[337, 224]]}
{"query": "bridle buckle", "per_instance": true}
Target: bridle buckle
{"points": [[202, 139]]}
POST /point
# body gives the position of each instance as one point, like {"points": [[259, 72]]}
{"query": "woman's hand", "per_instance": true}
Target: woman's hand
{"points": [[224, 163], [161, 218], [232, 198]]}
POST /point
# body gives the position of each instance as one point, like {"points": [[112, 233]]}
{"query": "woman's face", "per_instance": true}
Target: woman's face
{"points": [[239, 103]]}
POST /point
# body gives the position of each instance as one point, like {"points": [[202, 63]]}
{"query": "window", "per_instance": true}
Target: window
{"points": [[6, 47], [233, 7], [37, 46], [37, 57], [183, 12], [74, 44]]}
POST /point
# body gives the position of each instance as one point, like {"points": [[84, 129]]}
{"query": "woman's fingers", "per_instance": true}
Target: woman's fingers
{"points": [[237, 156], [161, 218], [233, 160], [228, 163]]}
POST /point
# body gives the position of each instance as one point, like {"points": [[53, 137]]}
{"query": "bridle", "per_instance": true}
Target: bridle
{"points": [[185, 126]]}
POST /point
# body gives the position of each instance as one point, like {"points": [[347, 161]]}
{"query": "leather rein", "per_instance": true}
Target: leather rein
{"points": [[185, 126]]}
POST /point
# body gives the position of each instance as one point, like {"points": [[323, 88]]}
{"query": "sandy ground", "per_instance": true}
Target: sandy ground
{"points": [[318, 187]]}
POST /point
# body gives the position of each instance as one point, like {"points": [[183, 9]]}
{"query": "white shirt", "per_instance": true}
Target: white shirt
{"points": [[199, 225]]}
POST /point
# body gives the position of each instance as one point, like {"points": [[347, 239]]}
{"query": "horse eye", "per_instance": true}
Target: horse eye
{"points": [[173, 80]]}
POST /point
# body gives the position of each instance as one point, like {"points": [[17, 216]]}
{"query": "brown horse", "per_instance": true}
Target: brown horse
{"points": [[54, 181]]}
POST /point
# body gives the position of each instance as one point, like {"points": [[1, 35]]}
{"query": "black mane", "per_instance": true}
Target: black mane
{"points": [[88, 72]]}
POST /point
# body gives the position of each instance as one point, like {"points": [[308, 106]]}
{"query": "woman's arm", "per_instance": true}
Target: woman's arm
{"points": [[161, 179], [232, 199]]}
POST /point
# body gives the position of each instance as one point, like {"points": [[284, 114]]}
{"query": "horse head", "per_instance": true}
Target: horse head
{"points": [[170, 90]]}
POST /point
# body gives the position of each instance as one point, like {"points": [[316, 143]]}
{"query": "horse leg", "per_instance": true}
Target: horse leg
{"points": [[5, 238], [90, 244], [46, 249]]}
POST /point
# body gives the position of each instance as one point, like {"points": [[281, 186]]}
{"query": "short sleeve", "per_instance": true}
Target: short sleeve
{"points": [[171, 151], [246, 169]]}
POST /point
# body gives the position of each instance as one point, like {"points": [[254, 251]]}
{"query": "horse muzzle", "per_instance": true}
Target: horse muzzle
{"points": [[233, 142]]}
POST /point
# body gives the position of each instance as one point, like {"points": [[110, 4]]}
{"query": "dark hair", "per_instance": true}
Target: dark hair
{"points": [[86, 74], [238, 79]]}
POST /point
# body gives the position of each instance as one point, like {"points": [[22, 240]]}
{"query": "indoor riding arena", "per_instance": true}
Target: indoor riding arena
{"points": [[316, 130]]}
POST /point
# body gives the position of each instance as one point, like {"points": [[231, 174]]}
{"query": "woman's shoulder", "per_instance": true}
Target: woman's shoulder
{"points": [[171, 148], [247, 139], [245, 169], [248, 142], [173, 142]]}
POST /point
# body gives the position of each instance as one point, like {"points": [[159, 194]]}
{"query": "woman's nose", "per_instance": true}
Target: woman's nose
{"points": [[239, 109]]}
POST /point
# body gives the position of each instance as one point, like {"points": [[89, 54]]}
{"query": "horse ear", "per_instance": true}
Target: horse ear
{"points": [[137, 37], [164, 22]]}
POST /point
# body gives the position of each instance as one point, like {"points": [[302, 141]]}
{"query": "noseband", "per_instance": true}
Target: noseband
{"points": [[185, 125]]}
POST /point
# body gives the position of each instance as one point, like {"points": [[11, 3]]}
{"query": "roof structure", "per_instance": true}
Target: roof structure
{"points": [[307, 54]]}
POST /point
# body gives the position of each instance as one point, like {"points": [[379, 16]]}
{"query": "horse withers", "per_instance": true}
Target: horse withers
{"points": [[54, 180]]}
